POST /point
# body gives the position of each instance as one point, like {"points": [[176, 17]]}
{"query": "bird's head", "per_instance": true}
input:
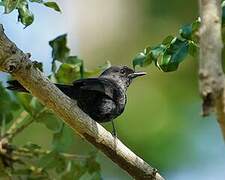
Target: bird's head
{"points": [[123, 75]]}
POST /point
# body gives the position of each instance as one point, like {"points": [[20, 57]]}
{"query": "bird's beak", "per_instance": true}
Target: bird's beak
{"points": [[136, 74]]}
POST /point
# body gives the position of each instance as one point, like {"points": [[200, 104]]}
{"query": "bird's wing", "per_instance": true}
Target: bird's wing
{"points": [[103, 86]]}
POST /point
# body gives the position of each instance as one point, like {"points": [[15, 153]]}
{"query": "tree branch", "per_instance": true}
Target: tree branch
{"points": [[211, 76], [18, 64]]}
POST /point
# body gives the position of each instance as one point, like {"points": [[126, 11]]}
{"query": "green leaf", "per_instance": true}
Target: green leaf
{"points": [[189, 31], [7, 105], [92, 166], [62, 140], [142, 60], [50, 120], [52, 5], [178, 50], [10, 5], [223, 13], [25, 15], [29, 103], [186, 31], [60, 51], [95, 72], [24, 171], [37, 1], [169, 67], [7, 117], [167, 40], [25, 101], [31, 146], [173, 55], [52, 160], [168, 55], [76, 61], [75, 171], [193, 49], [54, 67], [67, 73]]}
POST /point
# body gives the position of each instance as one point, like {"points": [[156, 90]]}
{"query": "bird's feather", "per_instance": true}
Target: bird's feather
{"points": [[101, 85]]}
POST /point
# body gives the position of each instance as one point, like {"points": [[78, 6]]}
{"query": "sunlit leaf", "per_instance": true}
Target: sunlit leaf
{"points": [[37, 1], [189, 31], [52, 5], [178, 50], [60, 51], [74, 60], [97, 71], [67, 73], [142, 60], [167, 40], [10, 5], [193, 49], [25, 15]]}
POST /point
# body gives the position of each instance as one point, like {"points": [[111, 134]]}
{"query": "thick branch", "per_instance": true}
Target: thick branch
{"points": [[211, 76], [15, 62]]}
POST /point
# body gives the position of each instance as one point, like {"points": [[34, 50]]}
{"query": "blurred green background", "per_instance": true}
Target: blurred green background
{"points": [[162, 121]]}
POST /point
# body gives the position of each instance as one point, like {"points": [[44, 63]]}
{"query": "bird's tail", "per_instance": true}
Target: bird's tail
{"points": [[14, 85]]}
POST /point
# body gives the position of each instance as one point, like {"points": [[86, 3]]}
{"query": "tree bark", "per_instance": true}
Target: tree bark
{"points": [[211, 76], [19, 65]]}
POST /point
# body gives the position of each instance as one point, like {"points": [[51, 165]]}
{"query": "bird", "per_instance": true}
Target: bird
{"points": [[103, 98]]}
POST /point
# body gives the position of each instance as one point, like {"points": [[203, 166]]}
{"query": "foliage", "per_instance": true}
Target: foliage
{"points": [[172, 51], [25, 16], [31, 161]]}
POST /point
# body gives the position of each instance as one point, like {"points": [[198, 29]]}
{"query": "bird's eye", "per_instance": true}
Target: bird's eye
{"points": [[122, 71]]}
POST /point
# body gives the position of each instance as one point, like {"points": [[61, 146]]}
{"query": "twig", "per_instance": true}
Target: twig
{"points": [[27, 152], [22, 116], [16, 129], [3, 126], [20, 129]]}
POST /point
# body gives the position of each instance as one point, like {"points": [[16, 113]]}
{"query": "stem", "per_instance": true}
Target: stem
{"points": [[20, 129], [3, 125], [17, 122], [27, 152]]}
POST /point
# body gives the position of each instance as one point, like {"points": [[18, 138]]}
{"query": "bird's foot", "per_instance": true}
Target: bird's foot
{"points": [[114, 134]]}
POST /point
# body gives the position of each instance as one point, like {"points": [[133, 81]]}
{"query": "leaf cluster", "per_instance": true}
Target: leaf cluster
{"points": [[174, 49], [25, 16]]}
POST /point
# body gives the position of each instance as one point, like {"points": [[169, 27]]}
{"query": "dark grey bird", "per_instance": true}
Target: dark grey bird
{"points": [[103, 98]]}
